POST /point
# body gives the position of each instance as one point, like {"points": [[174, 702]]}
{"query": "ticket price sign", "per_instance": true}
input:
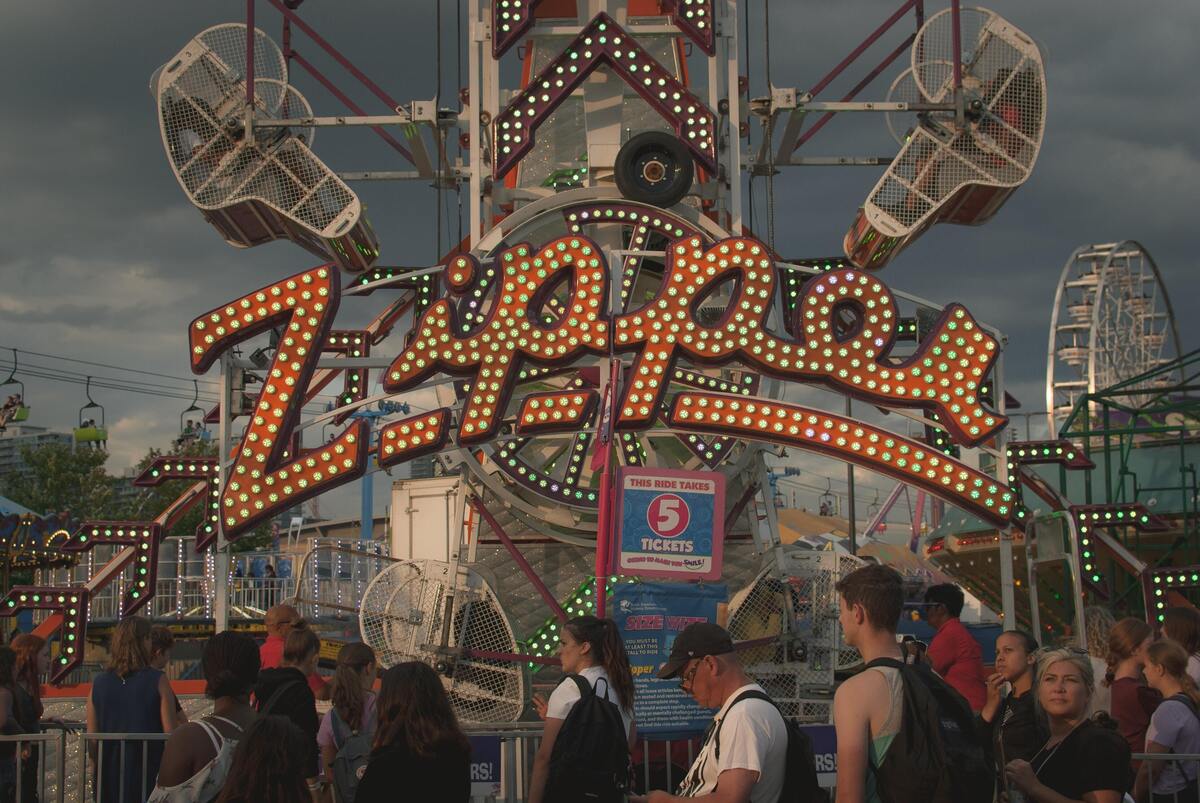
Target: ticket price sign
{"points": [[670, 523]]}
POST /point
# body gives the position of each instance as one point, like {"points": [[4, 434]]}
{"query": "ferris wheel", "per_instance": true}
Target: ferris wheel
{"points": [[1112, 321]]}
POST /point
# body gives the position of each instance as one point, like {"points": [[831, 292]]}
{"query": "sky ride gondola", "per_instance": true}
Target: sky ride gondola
{"points": [[90, 431], [15, 410]]}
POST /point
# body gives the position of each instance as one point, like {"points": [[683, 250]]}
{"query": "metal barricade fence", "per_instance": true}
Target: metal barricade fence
{"points": [[133, 749], [71, 764], [38, 760], [1177, 769]]}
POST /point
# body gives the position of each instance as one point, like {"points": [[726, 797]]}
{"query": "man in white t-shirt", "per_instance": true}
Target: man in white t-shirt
{"points": [[743, 760]]}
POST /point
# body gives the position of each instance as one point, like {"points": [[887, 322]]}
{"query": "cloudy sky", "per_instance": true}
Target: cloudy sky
{"points": [[103, 259]]}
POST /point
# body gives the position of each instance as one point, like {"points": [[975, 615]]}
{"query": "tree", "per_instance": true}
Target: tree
{"points": [[59, 478]]}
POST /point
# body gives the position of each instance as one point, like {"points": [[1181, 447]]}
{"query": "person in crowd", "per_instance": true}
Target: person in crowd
{"points": [[953, 652], [421, 753], [279, 620], [1132, 700], [750, 766], [1182, 626], [197, 757], [867, 708], [33, 662], [1011, 723], [162, 641], [592, 648], [268, 766], [284, 690], [1097, 623], [354, 702], [130, 696], [1174, 728], [8, 725], [1084, 760]]}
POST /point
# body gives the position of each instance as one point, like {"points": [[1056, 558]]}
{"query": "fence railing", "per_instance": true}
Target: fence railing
{"points": [[69, 766], [65, 765]]}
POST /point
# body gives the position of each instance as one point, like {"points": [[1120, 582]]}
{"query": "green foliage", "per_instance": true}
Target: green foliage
{"points": [[61, 478]]}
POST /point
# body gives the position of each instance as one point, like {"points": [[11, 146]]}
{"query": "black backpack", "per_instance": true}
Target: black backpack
{"points": [[800, 775], [938, 755], [590, 760]]}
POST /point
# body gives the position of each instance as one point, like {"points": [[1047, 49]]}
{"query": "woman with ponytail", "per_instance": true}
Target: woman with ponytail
{"points": [[1174, 728], [353, 702], [592, 649], [1132, 700]]}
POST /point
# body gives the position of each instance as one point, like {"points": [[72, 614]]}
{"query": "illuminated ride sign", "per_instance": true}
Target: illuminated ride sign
{"points": [[846, 321]]}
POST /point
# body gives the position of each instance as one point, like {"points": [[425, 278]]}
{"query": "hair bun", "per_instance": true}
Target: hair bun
{"points": [[226, 683]]}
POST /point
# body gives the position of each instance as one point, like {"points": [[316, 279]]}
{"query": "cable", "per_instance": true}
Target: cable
{"points": [[101, 365]]}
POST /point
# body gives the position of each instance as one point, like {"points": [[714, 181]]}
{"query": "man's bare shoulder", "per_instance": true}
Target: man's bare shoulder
{"points": [[864, 682]]}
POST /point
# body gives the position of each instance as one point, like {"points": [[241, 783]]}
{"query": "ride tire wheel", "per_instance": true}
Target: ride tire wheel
{"points": [[654, 168]]}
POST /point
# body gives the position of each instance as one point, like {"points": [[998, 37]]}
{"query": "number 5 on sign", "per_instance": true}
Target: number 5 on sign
{"points": [[668, 515]]}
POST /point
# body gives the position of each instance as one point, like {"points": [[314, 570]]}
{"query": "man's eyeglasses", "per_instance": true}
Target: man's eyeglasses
{"points": [[685, 680]]}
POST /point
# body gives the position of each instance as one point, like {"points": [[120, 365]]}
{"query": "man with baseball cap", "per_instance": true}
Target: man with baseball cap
{"points": [[744, 755]]}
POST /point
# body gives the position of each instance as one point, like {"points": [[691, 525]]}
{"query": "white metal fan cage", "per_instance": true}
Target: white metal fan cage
{"points": [[438, 614], [201, 99], [1005, 83]]}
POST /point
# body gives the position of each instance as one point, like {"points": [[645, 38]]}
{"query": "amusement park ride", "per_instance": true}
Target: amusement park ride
{"points": [[610, 308]]}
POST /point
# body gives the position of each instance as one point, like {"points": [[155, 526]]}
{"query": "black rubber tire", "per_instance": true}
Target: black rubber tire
{"points": [[654, 167]]}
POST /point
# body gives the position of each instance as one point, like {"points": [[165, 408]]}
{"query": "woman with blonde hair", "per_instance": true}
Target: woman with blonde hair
{"points": [[1132, 700], [130, 696], [1174, 727], [1097, 623], [1083, 760]]}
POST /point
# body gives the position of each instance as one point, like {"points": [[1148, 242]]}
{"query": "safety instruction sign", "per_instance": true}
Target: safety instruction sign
{"points": [[649, 616], [671, 523]]}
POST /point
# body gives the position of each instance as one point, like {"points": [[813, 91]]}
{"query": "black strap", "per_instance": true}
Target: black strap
{"points": [[749, 694], [269, 706], [585, 688]]}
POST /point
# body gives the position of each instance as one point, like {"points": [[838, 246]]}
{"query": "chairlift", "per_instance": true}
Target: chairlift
{"points": [[189, 430], [14, 410], [873, 511], [88, 430], [827, 502]]}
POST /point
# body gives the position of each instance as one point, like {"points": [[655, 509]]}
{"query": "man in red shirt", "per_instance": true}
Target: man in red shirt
{"points": [[954, 653], [280, 619]]}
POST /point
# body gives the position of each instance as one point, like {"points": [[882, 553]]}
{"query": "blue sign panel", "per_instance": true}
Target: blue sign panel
{"points": [[648, 616], [670, 524], [824, 743], [485, 766]]}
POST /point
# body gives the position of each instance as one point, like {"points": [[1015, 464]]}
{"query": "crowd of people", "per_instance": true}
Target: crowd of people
{"points": [[1048, 724]]}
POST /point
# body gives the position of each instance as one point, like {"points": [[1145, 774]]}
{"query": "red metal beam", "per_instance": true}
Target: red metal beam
{"points": [[519, 559]]}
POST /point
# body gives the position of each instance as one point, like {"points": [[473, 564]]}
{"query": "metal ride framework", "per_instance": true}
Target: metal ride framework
{"points": [[620, 301], [1129, 453]]}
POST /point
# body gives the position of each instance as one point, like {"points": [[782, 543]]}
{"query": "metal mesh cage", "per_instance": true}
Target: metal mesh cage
{"points": [[800, 608], [419, 611], [258, 188], [995, 146]]}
